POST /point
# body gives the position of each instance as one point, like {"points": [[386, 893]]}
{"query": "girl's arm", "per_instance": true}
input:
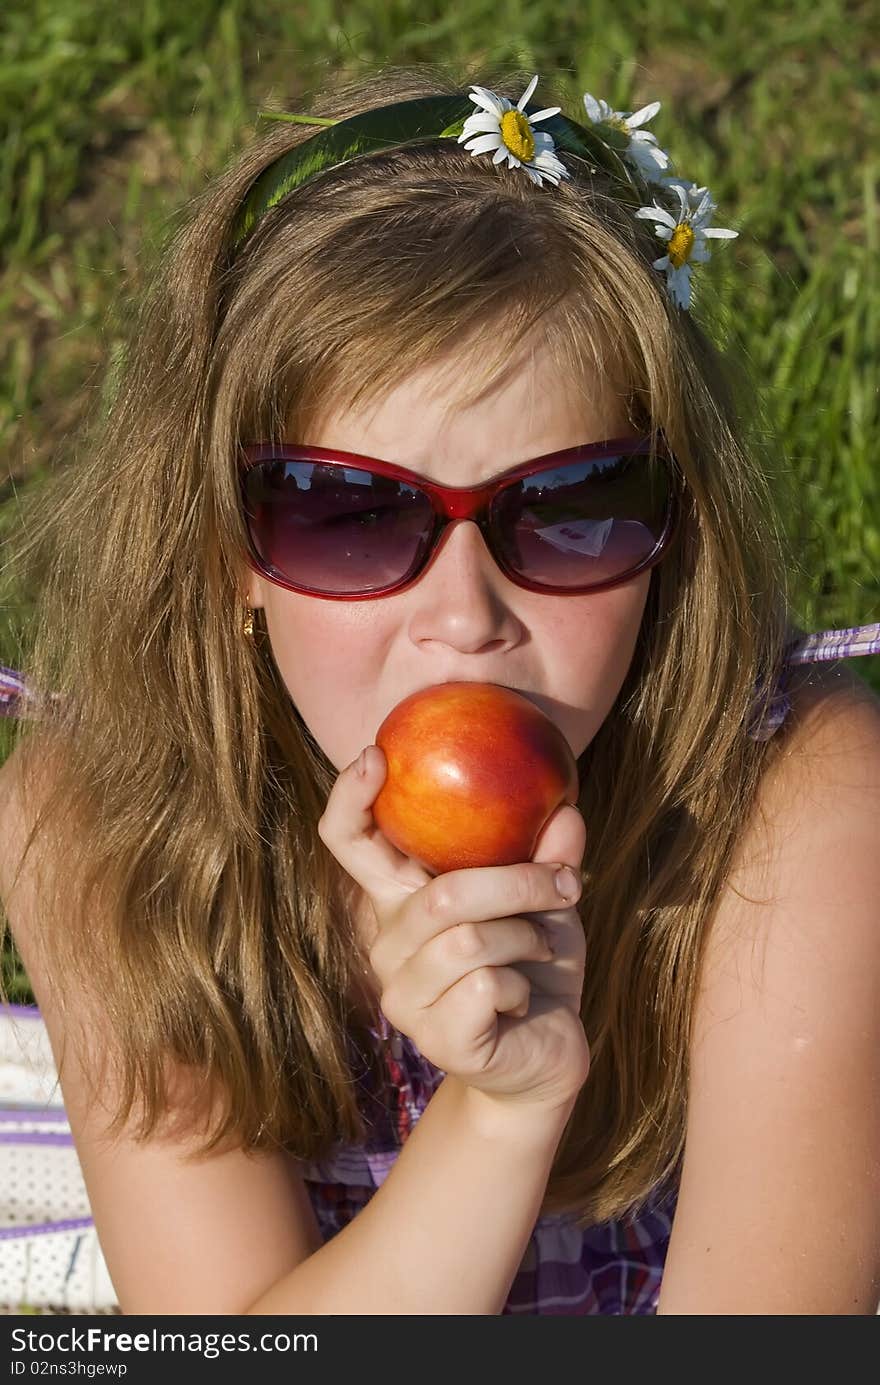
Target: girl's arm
{"points": [[779, 1206], [179, 1236], [231, 1234], [446, 1231]]}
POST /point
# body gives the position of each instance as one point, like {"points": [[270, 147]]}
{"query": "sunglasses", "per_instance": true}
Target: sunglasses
{"points": [[347, 527]]}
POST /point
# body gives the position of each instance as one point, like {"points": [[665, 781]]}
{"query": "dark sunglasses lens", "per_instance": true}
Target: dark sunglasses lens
{"points": [[334, 529], [586, 523]]}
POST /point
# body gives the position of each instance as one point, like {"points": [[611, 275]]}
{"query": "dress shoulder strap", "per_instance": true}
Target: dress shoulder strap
{"points": [[16, 698], [835, 644], [819, 647]]}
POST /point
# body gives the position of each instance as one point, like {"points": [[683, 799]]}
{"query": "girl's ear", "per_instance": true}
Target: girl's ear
{"points": [[252, 589]]}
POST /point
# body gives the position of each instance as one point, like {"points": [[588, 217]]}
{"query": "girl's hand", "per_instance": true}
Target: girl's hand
{"points": [[482, 968]]}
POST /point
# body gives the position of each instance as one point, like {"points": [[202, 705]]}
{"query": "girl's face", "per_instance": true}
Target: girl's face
{"points": [[346, 664]]}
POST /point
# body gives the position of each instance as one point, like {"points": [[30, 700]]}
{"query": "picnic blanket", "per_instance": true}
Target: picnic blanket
{"points": [[50, 1257]]}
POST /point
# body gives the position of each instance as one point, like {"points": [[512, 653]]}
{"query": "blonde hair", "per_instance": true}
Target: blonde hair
{"points": [[207, 915]]}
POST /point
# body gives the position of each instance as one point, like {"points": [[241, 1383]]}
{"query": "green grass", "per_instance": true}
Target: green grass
{"points": [[116, 114]]}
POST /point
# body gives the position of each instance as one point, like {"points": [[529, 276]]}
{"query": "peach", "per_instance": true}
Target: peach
{"points": [[474, 772]]}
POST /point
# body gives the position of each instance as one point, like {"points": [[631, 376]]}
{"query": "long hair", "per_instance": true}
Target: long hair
{"points": [[190, 892]]}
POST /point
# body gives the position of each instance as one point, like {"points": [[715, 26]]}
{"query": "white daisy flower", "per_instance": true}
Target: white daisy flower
{"points": [[642, 151], [685, 238], [695, 194], [507, 130]]}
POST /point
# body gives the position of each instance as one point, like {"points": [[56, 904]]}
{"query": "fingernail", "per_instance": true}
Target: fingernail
{"points": [[361, 766], [567, 883]]}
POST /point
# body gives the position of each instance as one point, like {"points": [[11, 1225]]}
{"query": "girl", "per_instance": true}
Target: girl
{"points": [[634, 1074]]}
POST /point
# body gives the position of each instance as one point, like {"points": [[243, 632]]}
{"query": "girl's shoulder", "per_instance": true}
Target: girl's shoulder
{"points": [[834, 713], [823, 778], [786, 1028]]}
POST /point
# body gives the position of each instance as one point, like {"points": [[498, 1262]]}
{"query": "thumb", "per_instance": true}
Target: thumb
{"points": [[563, 838]]}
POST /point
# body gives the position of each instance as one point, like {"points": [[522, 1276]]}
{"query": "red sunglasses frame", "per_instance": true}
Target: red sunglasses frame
{"points": [[451, 503]]}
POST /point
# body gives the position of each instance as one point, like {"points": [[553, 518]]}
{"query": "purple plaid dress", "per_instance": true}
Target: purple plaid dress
{"points": [[614, 1268]]}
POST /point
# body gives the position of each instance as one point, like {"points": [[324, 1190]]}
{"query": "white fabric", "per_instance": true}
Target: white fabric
{"points": [[41, 1183]]}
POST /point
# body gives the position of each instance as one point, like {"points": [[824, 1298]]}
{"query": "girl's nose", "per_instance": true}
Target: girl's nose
{"points": [[463, 600]]}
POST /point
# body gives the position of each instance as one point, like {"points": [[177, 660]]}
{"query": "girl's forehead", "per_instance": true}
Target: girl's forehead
{"points": [[529, 393], [469, 446]]}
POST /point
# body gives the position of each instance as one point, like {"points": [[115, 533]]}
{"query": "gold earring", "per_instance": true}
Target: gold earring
{"points": [[248, 627]]}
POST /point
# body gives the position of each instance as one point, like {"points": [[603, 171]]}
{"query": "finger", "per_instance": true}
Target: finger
{"points": [[476, 894], [348, 829], [443, 961], [563, 838], [466, 1016]]}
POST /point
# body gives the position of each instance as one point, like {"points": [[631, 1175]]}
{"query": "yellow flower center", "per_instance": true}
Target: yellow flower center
{"points": [[516, 133], [617, 122], [681, 243]]}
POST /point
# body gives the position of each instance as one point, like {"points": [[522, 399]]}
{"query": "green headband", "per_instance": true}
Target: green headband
{"points": [[390, 127], [612, 140]]}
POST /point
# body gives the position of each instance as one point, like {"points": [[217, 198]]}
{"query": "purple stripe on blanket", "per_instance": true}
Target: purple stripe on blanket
{"points": [[35, 1137], [32, 1115], [46, 1228]]}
